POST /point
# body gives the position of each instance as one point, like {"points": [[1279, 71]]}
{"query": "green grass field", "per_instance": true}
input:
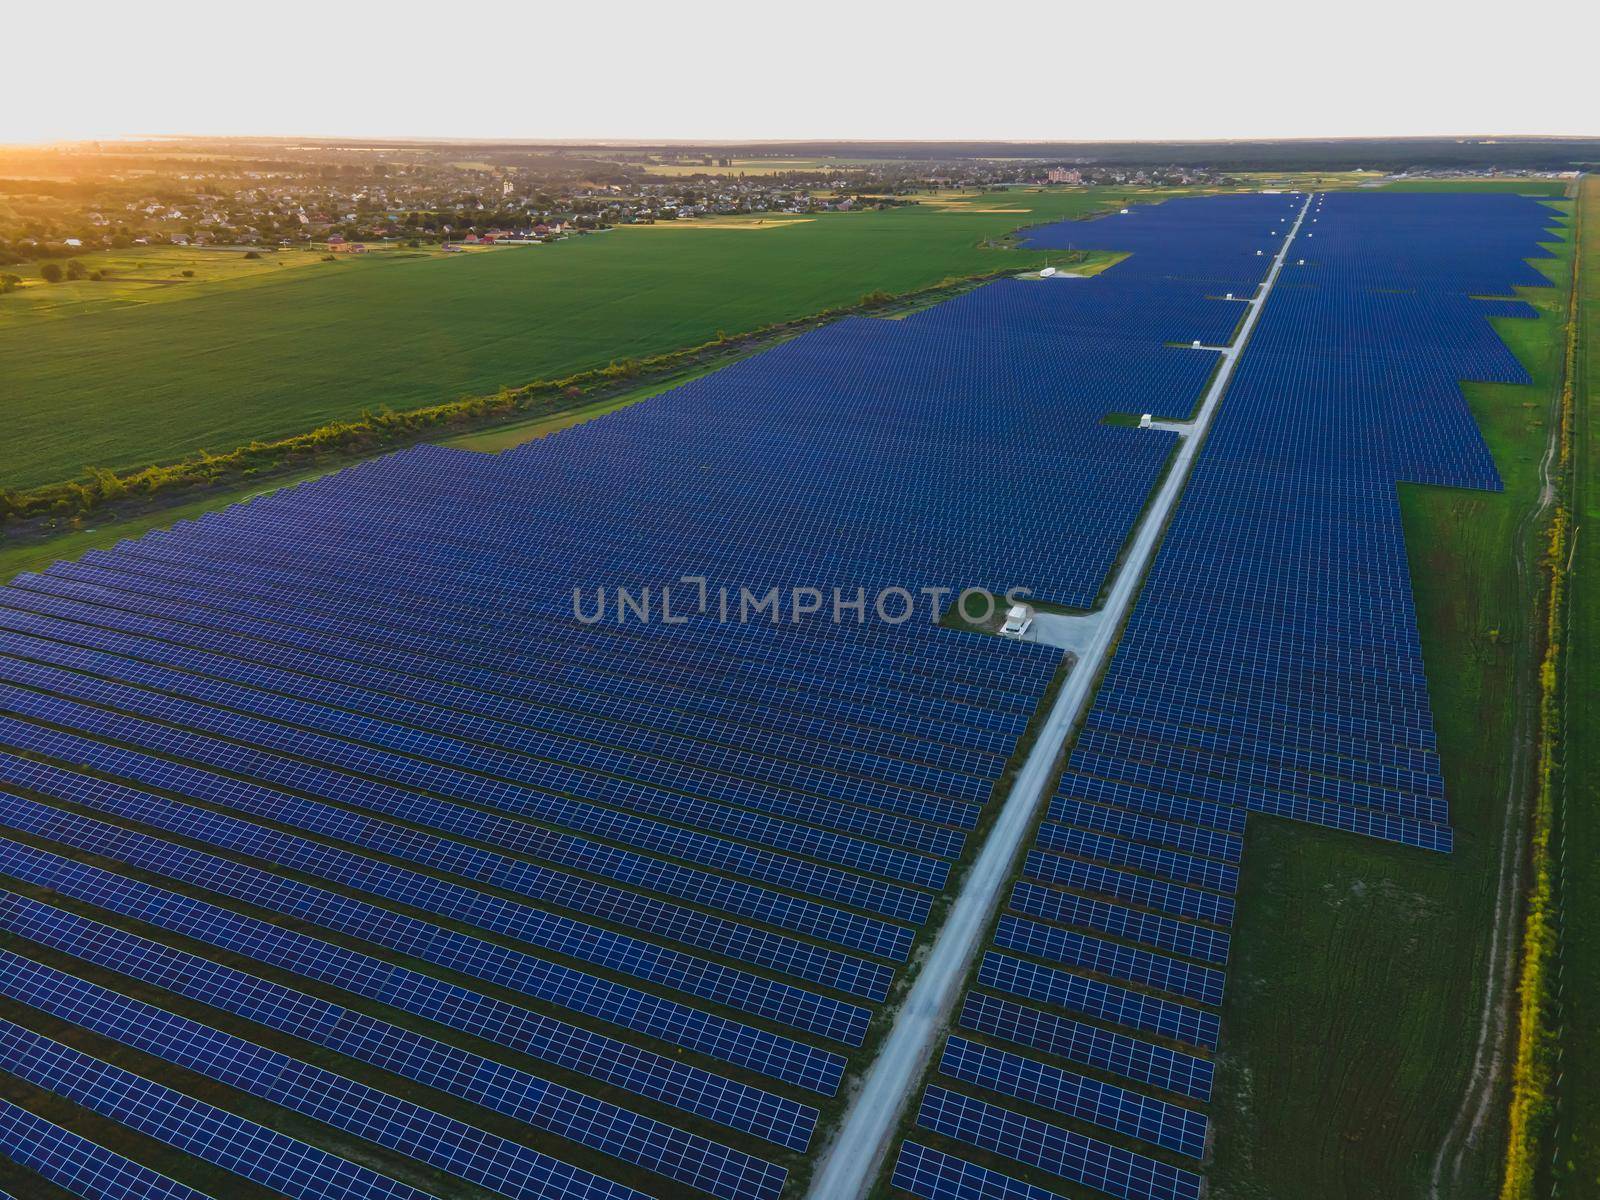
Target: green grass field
{"points": [[1524, 187], [1356, 983], [1579, 1143], [161, 274], [257, 356]]}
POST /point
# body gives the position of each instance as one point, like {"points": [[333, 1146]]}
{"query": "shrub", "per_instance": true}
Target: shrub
{"points": [[107, 483], [252, 254], [52, 273]]}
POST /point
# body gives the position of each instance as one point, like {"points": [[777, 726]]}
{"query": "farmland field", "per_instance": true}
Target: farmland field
{"points": [[162, 274], [257, 356], [1353, 1007]]}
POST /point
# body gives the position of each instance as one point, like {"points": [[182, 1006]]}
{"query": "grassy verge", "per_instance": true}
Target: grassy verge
{"points": [[1359, 968], [1577, 1166], [507, 437]]}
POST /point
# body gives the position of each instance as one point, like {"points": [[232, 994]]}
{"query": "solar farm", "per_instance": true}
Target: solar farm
{"points": [[343, 855]]}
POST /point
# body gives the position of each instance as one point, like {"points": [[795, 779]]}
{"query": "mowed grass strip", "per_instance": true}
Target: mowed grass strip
{"points": [[1357, 980], [122, 386]]}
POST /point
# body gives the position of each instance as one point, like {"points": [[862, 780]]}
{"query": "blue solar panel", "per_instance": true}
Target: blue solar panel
{"points": [[391, 761], [933, 1175], [620, 719], [604, 1059], [676, 1024], [392, 1122], [1169, 864], [1142, 890], [670, 922], [1074, 1041], [1293, 684], [217, 1137], [1103, 1104], [625, 826], [1101, 1001], [773, 908], [1224, 846], [1151, 929], [473, 956], [77, 1165], [1154, 971], [1051, 1148]]}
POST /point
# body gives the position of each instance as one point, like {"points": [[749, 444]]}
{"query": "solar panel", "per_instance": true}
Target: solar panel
{"points": [[79, 1166], [671, 922], [1075, 1041], [934, 1175], [398, 1124], [213, 1135], [1107, 958], [675, 1024], [1052, 1148], [772, 907], [604, 1059], [474, 956], [1089, 1100]]}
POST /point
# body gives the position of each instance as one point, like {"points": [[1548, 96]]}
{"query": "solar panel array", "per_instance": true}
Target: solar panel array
{"points": [[331, 805], [605, 909], [1272, 665]]}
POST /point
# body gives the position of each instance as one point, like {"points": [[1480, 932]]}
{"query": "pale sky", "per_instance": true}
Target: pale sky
{"points": [[835, 69]]}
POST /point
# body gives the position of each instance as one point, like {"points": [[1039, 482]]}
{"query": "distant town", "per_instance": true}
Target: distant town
{"points": [[58, 202]]}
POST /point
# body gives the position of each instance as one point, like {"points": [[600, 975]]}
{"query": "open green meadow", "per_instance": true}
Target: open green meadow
{"points": [[1578, 1147], [161, 274], [267, 353], [1357, 981], [1522, 187], [1299, 180]]}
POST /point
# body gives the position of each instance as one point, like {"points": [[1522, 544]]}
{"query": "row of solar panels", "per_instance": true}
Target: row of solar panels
{"points": [[1272, 665], [137, 718]]}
